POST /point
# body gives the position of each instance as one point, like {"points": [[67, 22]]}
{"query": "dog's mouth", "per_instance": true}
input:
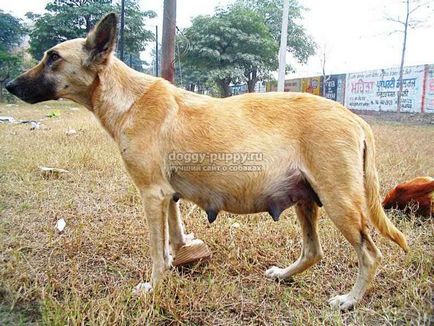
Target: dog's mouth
{"points": [[32, 90]]}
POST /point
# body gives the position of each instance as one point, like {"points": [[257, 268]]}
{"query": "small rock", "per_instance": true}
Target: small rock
{"points": [[142, 288], [52, 172], [60, 225], [4, 119], [35, 125], [71, 132]]}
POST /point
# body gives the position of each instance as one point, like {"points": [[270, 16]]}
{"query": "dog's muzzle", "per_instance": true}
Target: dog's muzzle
{"points": [[32, 90], [11, 87]]}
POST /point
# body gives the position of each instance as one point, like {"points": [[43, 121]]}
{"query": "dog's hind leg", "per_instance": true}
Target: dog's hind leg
{"points": [[308, 214], [351, 222]]}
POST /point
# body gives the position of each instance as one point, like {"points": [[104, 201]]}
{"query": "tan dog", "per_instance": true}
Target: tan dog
{"points": [[416, 195], [245, 154]]}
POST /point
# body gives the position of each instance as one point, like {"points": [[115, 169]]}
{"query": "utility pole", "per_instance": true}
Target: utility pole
{"points": [[283, 43], [121, 41], [156, 50], [168, 43]]}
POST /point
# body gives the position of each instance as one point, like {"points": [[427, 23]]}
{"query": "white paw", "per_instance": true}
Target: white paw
{"points": [[195, 242], [343, 302], [142, 288], [275, 272], [189, 237]]}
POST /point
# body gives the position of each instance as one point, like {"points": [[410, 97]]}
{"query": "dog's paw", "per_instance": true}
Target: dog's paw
{"points": [[275, 272], [142, 288], [343, 302], [189, 238]]}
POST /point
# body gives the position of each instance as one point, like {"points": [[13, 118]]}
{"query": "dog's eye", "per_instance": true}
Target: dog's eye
{"points": [[53, 57]]}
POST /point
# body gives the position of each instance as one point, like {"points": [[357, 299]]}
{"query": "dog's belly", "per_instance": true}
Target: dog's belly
{"points": [[252, 194]]}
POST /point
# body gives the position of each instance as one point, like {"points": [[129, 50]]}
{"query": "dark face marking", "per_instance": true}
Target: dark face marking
{"points": [[32, 89], [212, 215]]}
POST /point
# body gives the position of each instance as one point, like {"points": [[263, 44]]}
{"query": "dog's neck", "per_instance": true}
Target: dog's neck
{"points": [[115, 89]]}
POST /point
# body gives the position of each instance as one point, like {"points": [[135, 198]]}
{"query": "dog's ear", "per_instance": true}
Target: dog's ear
{"points": [[101, 41]]}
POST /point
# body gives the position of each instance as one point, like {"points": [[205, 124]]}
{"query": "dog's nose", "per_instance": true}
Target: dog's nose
{"points": [[11, 86]]}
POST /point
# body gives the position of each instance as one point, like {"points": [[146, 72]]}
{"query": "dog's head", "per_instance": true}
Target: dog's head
{"points": [[69, 69]]}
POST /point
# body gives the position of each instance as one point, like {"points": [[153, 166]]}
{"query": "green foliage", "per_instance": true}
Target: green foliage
{"points": [[10, 65], [300, 44], [136, 35], [64, 20], [228, 47], [239, 43], [68, 19], [12, 31]]}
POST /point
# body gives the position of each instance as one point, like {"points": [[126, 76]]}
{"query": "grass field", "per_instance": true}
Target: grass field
{"points": [[85, 275]]}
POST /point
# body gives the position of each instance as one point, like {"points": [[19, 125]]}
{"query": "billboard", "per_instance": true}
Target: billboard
{"points": [[429, 90], [377, 89], [334, 88], [293, 85], [311, 85]]}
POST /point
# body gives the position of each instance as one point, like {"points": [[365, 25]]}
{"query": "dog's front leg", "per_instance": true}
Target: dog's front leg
{"points": [[156, 210], [176, 229]]}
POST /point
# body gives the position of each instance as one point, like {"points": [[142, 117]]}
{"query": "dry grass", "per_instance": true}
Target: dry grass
{"points": [[85, 275]]}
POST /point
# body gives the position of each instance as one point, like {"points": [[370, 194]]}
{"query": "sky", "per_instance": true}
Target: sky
{"points": [[354, 34]]}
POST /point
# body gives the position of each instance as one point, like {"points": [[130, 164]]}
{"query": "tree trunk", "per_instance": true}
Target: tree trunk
{"points": [[225, 89], [401, 68], [251, 83], [88, 26]]}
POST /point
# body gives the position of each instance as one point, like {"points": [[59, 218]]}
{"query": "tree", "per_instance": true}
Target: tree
{"points": [[239, 43], [299, 44], [232, 45], [10, 65], [12, 32], [257, 54], [69, 19], [136, 36], [407, 22], [207, 49], [64, 20]]}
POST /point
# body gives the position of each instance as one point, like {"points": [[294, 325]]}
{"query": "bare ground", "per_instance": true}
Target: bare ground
{"points": [[85, 274]]}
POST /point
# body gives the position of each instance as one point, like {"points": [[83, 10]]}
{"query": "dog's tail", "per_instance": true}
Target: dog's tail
{"points": [[375, 210]]}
